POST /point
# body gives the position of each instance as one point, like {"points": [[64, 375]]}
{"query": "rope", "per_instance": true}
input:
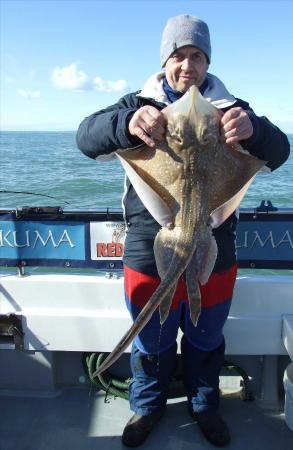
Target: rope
{"points": [[105, 381], [33, 193], [119, 388]]}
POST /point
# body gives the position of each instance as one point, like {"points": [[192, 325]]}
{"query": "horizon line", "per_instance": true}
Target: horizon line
{"points": [[75, 130]]}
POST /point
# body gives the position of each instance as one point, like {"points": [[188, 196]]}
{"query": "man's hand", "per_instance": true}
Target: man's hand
{"points": [[149, 124], [236, 126]]}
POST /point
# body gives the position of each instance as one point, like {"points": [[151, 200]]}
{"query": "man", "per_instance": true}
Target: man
{"points": [[137, 119]]}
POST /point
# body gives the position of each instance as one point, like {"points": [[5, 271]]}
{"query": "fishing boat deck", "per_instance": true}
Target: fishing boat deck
{"points": [[81, 418]]}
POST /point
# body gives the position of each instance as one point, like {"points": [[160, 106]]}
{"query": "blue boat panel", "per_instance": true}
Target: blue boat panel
{"points": [[95, 239]]}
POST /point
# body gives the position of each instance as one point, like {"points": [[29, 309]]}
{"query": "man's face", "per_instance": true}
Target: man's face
{"points": [[186, 66]]}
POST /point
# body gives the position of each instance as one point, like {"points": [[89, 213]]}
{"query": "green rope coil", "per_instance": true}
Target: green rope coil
{"points": [[119, 388], [246, 393], [105, 381]]}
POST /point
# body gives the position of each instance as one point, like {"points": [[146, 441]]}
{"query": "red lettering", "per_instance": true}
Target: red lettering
{"points": [[111, 249], [101, 249], [119, 249]]}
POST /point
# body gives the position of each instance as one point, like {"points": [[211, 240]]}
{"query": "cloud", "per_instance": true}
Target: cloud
{"points": [[28, 94], [109, 86], [70, 77]]}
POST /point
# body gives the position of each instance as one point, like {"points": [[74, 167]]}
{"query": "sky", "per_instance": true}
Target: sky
{"points": [[62, 60]]}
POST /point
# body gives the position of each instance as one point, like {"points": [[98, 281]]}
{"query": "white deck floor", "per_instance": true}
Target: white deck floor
{"points": [[80, 419]]}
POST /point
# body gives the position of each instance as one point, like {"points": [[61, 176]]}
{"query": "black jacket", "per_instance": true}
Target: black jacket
{"points": [[106, 131]]}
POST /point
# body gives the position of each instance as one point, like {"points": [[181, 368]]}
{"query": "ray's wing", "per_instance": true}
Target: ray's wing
{"points": [[233, 173], [153, 202], [149, 172]]}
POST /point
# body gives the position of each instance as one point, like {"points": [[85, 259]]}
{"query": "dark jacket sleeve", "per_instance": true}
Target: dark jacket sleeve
{"points": [[267, 142], [107, 130]]}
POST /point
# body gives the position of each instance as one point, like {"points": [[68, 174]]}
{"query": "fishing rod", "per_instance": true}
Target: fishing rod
{"points": [[33, 193]]}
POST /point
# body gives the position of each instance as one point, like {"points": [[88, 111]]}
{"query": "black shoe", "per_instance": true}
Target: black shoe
{"points": [[213, 427], [139, 427]]}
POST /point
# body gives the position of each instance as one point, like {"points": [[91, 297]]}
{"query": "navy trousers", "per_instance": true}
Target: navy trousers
{"points": [[152, 374], [202, 347]]}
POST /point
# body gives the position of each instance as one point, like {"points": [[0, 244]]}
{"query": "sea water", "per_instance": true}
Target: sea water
{"points": [[49, 163]]}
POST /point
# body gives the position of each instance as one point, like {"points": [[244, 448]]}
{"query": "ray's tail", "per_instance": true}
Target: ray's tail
{"points": [[165, 289]]}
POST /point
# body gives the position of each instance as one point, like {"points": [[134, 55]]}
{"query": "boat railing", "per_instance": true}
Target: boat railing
{"points": [[56, 237]]}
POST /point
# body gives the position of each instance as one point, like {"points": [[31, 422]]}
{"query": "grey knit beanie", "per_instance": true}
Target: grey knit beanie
{"points": [[184, 30]]}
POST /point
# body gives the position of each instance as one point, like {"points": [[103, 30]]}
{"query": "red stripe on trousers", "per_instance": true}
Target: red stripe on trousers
{"points": [[139, 287]]}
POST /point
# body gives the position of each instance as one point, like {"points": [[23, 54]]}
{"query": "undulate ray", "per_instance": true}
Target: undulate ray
{"points": [[190, 184]]}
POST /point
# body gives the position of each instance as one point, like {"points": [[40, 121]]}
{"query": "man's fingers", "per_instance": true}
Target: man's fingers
{"points": [[230, 126], [145, 137], [233, 136], [157, 132], [154, 131], [149, 124], [239, 131], [230, 115], [236, 126], [158, 118], [155, 124]]}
